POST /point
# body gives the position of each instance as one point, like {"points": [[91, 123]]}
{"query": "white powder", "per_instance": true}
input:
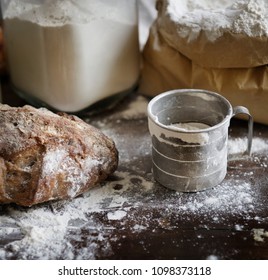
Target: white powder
{"points": [[76, 173], [189, 126], [58, 12], [52, 230], [238, 227], [45, 230], [196, 138], [239, 145], [52, 161], [215, 18], [117, 215], [184, 134], [259, 234], [76, 53], [135, 110], [212, 257], [88, 226]]}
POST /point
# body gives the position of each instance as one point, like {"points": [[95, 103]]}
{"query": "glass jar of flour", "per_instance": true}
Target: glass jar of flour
{"points": [[70, 55]]}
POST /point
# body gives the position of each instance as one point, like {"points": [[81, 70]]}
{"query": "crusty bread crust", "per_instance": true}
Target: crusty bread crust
{"points": [[46, 156]]}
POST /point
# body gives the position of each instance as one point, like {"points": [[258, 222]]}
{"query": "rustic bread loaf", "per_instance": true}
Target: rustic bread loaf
{"points": [[46, 156]]}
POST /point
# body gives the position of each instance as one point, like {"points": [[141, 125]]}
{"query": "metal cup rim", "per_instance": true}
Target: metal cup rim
{"points": [[154, 119]]}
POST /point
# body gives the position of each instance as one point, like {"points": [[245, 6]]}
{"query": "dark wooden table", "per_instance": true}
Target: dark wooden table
{"points": [[130, 216]]}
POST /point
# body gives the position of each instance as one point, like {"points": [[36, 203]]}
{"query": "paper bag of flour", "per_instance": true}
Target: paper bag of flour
{"points": [[215, 45]]}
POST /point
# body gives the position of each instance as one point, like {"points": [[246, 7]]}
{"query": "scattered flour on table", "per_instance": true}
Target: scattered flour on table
{"points": [[49, 230], [212, 257], [217, 17], [126, 202], [239, 145], [135, 109], [259, 234], [117, 215], [232, 196], [46, 227]]}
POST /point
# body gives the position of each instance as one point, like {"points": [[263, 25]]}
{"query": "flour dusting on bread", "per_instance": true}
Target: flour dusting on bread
{"points": [[46, 156]]}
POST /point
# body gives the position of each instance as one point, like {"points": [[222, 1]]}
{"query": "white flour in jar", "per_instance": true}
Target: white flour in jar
{"points": [[214, 18], [76, 52]]}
